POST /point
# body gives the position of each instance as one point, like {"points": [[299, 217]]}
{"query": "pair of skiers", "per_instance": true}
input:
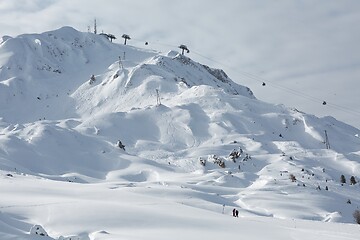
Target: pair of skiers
{"points": [[235, 213]]}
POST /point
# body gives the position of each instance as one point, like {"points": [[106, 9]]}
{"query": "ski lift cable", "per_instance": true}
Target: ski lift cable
{"points": [[154, 42], [281, 87], [261, 80], [344, 109], [312, 98], [247, 75]]}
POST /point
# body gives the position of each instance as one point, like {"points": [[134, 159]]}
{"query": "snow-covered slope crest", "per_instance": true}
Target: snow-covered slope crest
{"points": [[135, 85], [193, 139], [48, 53], [37, 71]]}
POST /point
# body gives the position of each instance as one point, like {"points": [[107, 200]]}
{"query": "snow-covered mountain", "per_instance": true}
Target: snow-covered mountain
{"points": [[67, 98]]}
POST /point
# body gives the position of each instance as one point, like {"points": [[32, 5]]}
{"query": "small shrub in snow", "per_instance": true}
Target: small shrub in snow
{"points": [[292, 177], [348, 201], [222, 164], [235, 155], [352, 180], [202, 161], [356, 216], [217, 160]]}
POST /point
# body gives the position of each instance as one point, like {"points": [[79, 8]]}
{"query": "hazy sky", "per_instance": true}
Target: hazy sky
{"points": [[306, 51]]}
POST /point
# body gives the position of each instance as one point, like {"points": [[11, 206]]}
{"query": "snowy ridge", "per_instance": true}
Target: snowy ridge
{"points": [[59, 129]]}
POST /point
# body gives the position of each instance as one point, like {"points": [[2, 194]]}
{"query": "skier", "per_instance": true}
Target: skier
{"points": [[120, 145], [234, 212]]}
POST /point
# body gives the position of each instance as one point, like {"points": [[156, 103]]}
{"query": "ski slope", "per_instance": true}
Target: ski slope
{"points": [[61, 168]]}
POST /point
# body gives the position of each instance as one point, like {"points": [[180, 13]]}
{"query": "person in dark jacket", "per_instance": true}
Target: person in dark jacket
{"points": [[120, 145]]}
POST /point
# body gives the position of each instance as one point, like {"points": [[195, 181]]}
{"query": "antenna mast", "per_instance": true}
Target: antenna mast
{"points": [[95, 28]]}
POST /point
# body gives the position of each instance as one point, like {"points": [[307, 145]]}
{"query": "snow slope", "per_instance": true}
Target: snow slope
{"points": [[60, 166]]}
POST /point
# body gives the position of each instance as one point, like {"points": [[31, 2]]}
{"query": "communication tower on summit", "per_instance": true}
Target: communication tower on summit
{"points": [[95, 27]]}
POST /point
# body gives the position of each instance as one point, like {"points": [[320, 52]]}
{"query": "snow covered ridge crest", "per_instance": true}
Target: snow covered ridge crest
{"points": [[57, 66], [49, 52], [217, 78], [145, 128], [66, 50]]}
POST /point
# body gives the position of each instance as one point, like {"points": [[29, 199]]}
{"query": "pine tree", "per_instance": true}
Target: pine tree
{"points": [[292, 177], [352, 180], [342, 179]]}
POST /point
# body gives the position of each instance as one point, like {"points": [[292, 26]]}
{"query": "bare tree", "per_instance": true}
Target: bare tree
{"points": [[342, 179]]}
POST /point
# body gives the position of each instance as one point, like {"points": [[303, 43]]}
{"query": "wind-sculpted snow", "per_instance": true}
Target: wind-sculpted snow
{"points": [[157, 136]]}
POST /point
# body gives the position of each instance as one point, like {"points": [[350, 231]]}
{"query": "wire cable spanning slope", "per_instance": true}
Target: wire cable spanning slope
{"points": [[247, 75], [281, 87]]}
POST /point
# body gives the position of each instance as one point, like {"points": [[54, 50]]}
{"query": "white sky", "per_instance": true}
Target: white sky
{"points": [[306, 51]]}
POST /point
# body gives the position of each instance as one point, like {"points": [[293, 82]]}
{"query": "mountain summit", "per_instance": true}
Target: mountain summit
{"points": [[69, 100]]}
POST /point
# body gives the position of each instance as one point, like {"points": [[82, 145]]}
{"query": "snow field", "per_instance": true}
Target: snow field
{"points": [[60, 166]]}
